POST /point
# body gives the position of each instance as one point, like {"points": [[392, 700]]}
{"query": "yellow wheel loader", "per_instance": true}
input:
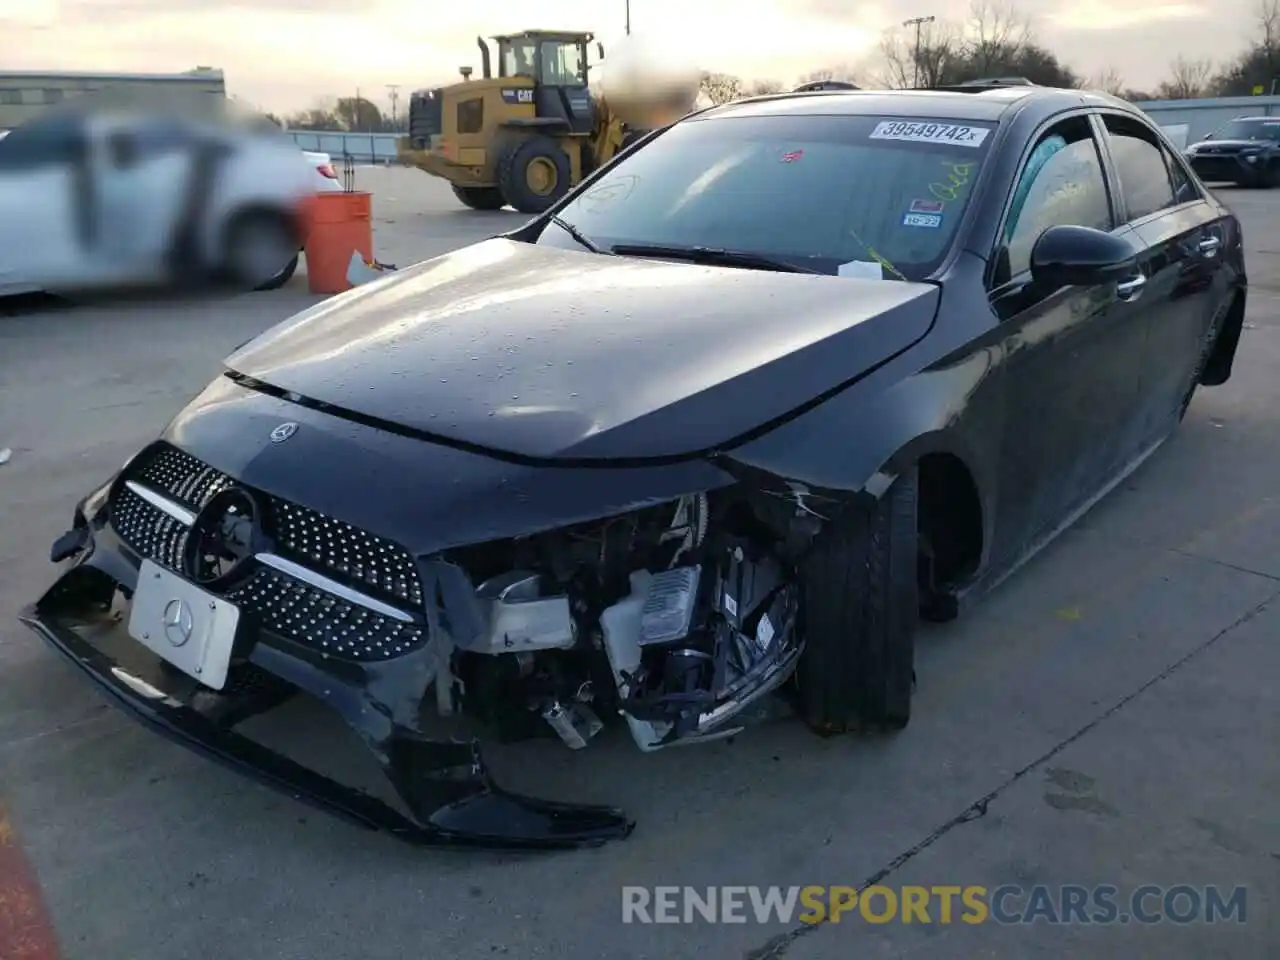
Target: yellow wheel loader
{"points": [[523, 134]]}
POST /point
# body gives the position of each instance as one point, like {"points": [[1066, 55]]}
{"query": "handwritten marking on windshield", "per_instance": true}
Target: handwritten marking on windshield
{"points": [[875, 255], [957, 180]]}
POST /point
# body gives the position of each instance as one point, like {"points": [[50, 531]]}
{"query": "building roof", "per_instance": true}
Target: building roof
{"points": [[194, 76]]}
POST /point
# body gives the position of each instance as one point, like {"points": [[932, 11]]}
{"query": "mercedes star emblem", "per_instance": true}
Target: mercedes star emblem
{"points": [[178, 622], [283, 432]]}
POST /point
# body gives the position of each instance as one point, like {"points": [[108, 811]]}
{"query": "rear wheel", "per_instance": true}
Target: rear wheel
{"points": [[534, 173], [261, 251], [281, 278], [480, 198], [860, 608]]}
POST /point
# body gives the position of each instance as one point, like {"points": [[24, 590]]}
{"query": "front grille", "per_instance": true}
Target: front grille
{"points": [[335, 547], [288, 606], [180, 476], [151, 532], [307, 615], [1216, 168]]}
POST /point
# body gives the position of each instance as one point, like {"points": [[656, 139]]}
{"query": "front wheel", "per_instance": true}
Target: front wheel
{"points": [[534, 173], [859, 610], [480, 198]]}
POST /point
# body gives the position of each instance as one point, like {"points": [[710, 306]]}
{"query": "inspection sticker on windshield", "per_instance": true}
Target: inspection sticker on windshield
{"points": [[915, 132], [930, 220]]}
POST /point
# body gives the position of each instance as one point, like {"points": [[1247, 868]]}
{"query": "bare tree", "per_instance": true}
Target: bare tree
{"points": [[722, 87], [760, 88], [996, 33], [1268, 24], [1188, 79], [1108, 80], [901, 62]]}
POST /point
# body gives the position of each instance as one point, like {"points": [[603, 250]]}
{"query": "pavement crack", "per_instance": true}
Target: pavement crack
{"points": [[780, 944], [1191, 555]]}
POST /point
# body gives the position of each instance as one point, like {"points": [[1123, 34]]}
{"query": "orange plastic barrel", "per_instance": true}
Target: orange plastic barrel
{"points": [[341, 224]]}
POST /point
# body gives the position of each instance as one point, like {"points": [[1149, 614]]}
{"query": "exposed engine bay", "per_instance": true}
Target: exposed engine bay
{"points": [[676, 617]]}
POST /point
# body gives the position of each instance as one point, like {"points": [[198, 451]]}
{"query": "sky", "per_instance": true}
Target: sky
{"points": [[284, 55]]}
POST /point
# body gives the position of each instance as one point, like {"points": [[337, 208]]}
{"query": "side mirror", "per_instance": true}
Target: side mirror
{"points": [[600, 50], [1080, 256]]}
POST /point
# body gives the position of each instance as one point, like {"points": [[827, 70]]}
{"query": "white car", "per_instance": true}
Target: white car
{"points": [[326, 179], [93, 200]]}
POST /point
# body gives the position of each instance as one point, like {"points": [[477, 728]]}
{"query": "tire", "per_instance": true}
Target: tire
{"points": [[258, 251], [518, 163], [859, 610], [1207, 346], [480, 198], [281, 278]]}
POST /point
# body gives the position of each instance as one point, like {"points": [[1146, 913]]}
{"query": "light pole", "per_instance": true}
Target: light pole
{"points": [[628, 5], [916, 22], [393, 93]]}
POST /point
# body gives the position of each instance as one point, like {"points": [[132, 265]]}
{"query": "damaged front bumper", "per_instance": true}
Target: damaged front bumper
{"points": [[448, 796]]}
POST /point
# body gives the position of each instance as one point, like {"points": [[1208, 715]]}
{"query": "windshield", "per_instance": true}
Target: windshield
{"points": [[515, 58], [563, 64], [1250, 130], [832, 194]]}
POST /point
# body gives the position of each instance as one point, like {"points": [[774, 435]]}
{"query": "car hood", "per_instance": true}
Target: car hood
{"points": [[549, 354]]}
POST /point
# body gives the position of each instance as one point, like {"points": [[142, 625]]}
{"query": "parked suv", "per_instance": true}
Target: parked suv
{"points": [[1246, 151]]}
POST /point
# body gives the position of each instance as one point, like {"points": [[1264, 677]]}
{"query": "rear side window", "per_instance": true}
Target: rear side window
{"points": [[1142, 168], [1184, 190]]}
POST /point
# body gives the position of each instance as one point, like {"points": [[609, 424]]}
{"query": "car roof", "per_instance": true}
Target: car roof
{"points": [[989, 103]]}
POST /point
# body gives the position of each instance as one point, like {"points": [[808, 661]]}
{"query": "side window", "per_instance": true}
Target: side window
{"points": [[1141, 167], [159, 138], [1061, 182], [44, 143]]}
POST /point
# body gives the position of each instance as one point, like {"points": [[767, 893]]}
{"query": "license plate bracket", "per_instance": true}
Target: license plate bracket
{"points": [[184, 624]]}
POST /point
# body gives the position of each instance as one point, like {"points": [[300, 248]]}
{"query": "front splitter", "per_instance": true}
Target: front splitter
{"points": [[475, 811]]}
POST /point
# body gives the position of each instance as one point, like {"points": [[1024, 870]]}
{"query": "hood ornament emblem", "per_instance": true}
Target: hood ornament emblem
{"points": [[283, 432]]}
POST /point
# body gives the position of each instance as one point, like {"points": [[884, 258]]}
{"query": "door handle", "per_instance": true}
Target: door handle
{"points": [[1130, 289], [1209, 246]]}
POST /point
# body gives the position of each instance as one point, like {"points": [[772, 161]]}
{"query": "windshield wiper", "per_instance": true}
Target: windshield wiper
{"points": [[578, 235], [712, 255]]}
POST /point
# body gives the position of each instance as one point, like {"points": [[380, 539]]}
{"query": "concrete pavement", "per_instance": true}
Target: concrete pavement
{"points": [[1106, 717]]}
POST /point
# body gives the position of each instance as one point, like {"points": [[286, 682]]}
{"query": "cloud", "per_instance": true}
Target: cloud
{"points": [[1099, 15], [286, 54], [107, 11]]}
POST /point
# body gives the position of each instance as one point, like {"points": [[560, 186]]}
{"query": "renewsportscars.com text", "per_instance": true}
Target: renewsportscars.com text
{"points": [[1009, 905]]}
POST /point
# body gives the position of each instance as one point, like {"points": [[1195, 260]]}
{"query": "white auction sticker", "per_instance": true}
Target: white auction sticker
{"points": [[916, 132]]}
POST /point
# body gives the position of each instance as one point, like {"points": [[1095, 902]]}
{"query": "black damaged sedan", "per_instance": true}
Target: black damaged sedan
{"points": [[721, 426]]}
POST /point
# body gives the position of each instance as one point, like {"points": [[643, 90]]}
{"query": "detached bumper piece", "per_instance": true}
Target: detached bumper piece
{"points": [[453, 799]]}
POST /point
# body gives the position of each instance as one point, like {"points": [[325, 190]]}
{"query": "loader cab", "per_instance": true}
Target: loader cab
{"points": [[556, 63]]}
